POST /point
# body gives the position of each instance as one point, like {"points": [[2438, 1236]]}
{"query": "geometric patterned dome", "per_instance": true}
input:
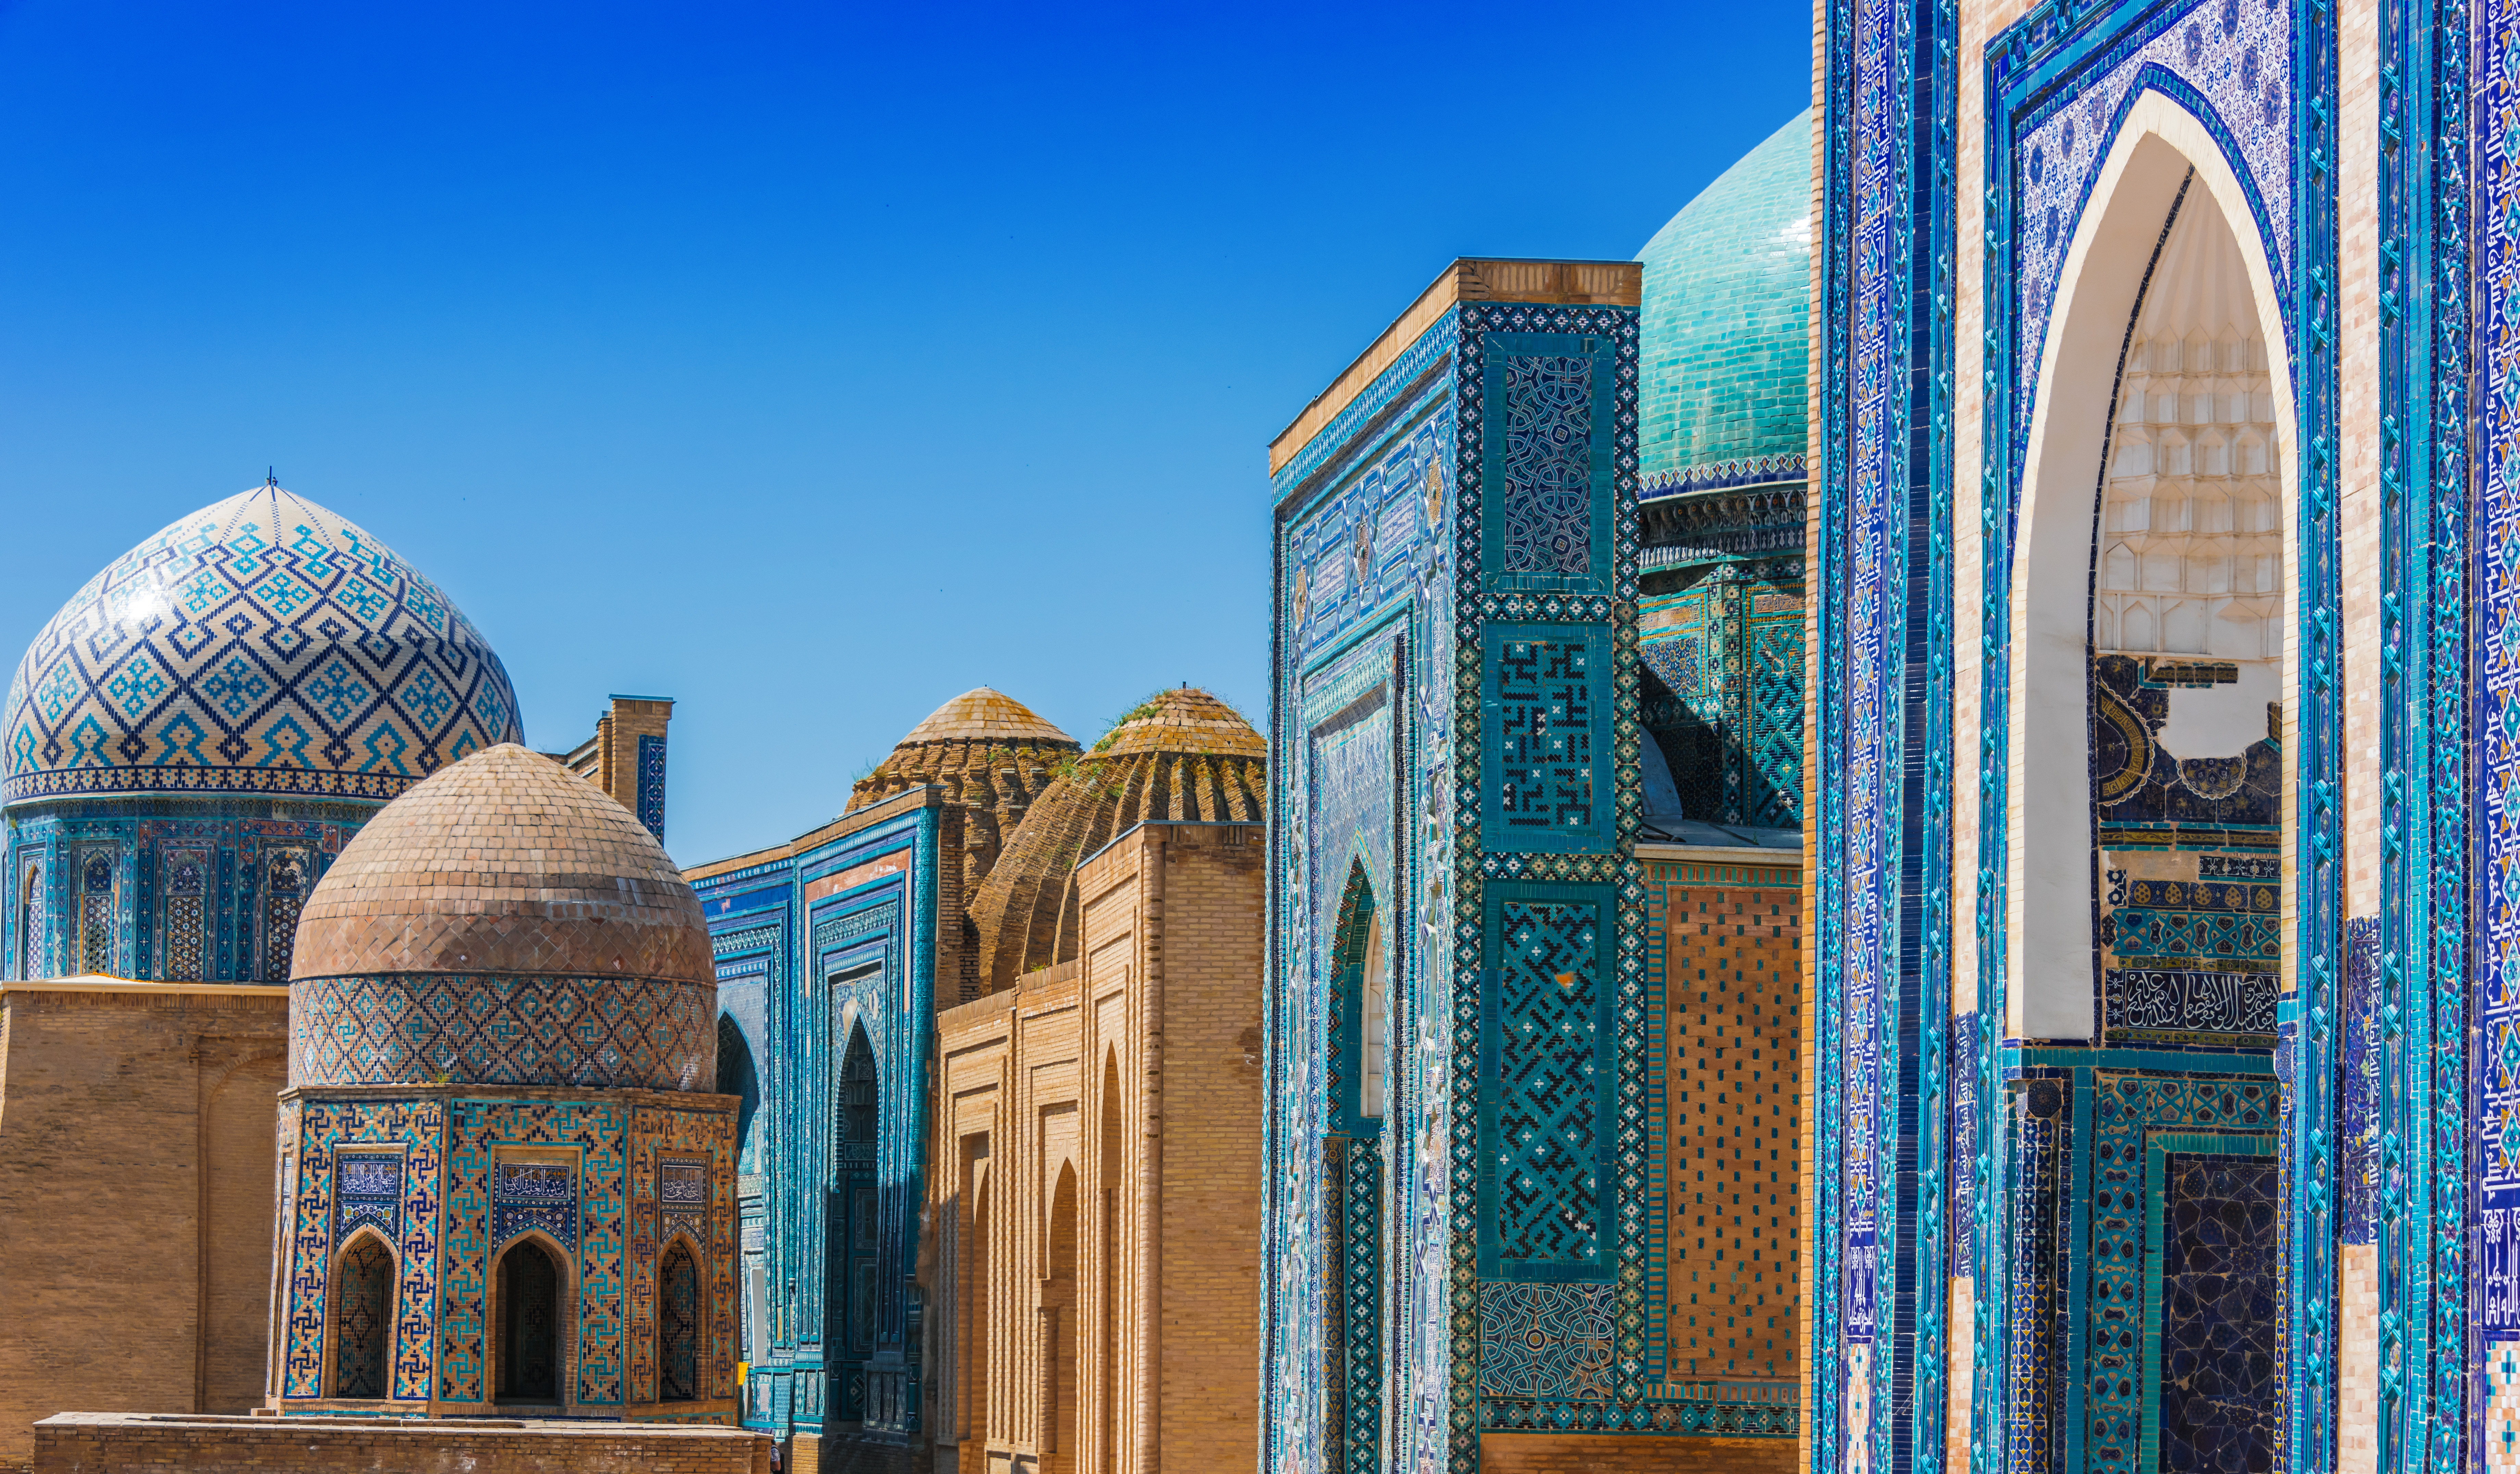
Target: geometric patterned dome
{"points": [[505, 922], [1725, 330], [1182, 755], [260, 646]]}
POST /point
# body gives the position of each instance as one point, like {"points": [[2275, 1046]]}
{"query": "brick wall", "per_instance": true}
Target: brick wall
{"points": [[1734, 1009], [1136, 1065], [136, 1179], [87, 1443], [1208, 960]]}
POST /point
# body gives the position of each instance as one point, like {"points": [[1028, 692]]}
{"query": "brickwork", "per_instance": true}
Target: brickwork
{"points": [[90, 1443], [1733, 1073], [1611, 1453], [1135, 1069], [137, 1123]]}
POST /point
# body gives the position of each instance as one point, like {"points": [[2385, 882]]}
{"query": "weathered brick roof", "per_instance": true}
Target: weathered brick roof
{"points": [[504, 862]]}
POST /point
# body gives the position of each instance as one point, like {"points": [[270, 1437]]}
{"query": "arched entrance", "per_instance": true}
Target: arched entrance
{"points": [[1058, 1317], [1353, 1186], [528, 1324], [362, 1296], [2155, 690], [855, 1236]]}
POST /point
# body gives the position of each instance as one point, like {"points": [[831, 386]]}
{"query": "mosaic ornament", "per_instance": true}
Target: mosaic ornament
{"points": [[260, 646]]}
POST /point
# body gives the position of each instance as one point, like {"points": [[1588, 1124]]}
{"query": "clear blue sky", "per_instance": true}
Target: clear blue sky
{"points": [[807, 364]]}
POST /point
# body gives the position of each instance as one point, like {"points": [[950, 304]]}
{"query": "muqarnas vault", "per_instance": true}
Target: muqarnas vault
{"points": [[506, 1182]]}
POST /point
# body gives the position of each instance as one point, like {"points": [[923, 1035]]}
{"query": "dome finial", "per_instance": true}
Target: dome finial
{"points": [[269, 477]]}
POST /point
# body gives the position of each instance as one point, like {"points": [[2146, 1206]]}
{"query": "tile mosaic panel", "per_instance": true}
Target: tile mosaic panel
{"points": [[1548, 737], [1545, 1341], [317, 1133], [476, 1130], [2228, 61], [682, 1181], [261, 645], [651, 792], [192, 881], [1726, 654], [1547, 468], [1549, 1197], [533, 1194], [2217, 1366], [2138, 1123], [367, 1189], [2036, 1330], [500, 1029]]}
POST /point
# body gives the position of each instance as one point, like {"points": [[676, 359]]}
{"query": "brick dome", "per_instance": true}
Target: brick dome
{"points": [[1182, 755], [987, 748], [504, 862]]}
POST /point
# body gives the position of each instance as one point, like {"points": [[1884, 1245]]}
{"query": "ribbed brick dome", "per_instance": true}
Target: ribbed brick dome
{"points": [[504, 862], [987, 748]]}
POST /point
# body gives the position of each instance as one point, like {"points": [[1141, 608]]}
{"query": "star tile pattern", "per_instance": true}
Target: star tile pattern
{"points": [[262, 645]]}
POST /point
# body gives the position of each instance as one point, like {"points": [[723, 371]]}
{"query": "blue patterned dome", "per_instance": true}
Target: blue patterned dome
{"points": [[261, 646], [1725, 327]]}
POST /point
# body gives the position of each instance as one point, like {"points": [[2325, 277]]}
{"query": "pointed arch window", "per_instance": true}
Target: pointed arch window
{"points": [[96, 912], [678, 1326], [287, 880], [31, 920], [361, 1318]]}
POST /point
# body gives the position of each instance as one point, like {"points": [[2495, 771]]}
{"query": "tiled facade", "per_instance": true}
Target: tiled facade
{"points": [[989, 857], [2196, 1181], [1488, 1101], [511, 1188]]}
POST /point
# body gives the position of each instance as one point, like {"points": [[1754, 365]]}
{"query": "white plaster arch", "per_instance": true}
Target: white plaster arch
{"points": [[2048, 919]]}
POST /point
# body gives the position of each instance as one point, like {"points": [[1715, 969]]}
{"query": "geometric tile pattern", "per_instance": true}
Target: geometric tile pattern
{"points": [[651, 794], [1549, 468], [1551, 1120], [1549, 738], [1414, 522], [318, 1131], [2220, 1278], [2127, 1208], [1545, 1340], [691, 1155], [600, 1134], [262, 645], [413, 1028], [1546, 505]]}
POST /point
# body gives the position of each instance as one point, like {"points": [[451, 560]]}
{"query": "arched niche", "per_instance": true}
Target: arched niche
{"points": [[362, 1297], [2161, 147]]}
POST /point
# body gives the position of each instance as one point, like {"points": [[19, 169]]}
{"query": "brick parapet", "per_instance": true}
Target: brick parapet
{"points": [[108, 1442]]}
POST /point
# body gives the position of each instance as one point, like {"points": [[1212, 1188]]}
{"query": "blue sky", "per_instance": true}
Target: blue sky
{"points": [[807, 364]]}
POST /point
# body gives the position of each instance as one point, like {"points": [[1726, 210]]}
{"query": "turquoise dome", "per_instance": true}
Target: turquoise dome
{"points": [[1726, 326], [261, 646]]}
